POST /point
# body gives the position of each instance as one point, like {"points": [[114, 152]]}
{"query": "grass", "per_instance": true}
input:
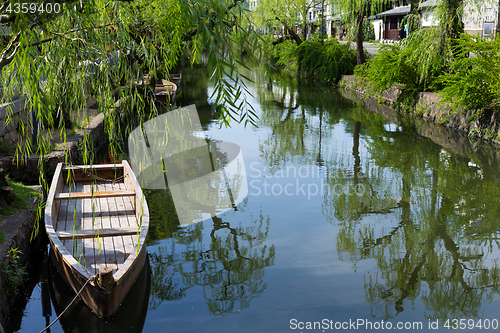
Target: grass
{"points": [[6, 149], [23, 195], [421, 110]]}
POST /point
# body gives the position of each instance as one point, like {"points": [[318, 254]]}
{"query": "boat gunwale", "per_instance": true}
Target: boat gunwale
{"points": [[51, 233], [143, 222]]}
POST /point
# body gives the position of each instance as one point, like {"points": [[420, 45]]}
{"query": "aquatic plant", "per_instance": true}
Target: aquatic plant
{"points": [[14, 273]]}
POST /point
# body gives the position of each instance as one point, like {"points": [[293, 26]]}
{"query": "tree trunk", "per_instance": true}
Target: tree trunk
{"points": [[292, 32], [413, 21], [454, 25], [304, 26], [360, 54]]}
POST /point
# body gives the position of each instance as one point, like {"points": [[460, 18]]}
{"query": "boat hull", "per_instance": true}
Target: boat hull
{"points": [[97, 231], [102, 302], [78, 318]]}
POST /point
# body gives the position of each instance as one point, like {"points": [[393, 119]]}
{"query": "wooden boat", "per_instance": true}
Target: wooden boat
{"points": [[97, 221], [176, 78], [165, 91]]}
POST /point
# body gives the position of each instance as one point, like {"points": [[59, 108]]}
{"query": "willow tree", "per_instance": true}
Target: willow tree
{"points": [[356, 11], [288, 14], [62, 54]]}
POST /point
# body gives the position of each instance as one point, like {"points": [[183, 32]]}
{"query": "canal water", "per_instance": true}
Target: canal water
{"points": [[352, 221]]}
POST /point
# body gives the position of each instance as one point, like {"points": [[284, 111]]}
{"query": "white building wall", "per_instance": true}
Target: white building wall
{"points": [[378, 27], [478, 23], [428, 19], [482, 23]]}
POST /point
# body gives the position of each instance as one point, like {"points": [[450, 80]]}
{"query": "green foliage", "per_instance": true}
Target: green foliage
{"points": [[472, 82], [103, 49], [474, 132], [368, 31], [414, 62], [96, 48], [325, 61], [14, 273], [282, 55], [274, 13], [421, 109]]}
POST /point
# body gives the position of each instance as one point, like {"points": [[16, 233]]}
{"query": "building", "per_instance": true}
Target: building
{"points": [[388, 24], [482, 23]]}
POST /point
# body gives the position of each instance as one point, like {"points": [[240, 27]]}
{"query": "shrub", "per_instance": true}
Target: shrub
{"points": [[368, 31], [414, 62], [281, 55], [473, 81], [325, 61]]}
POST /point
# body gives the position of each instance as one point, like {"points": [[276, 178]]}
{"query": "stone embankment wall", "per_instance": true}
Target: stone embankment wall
{"points": [[9, 133], [18, 230], [28, 170], [485, 125]]}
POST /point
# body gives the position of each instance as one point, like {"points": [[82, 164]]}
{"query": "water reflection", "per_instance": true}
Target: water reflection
{"points": [[427, 216], [230, 269], [434, 252], [406, 228], [227, 261]]}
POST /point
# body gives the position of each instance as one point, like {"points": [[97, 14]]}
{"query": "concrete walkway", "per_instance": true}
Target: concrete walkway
{"points": [[370, 47]]}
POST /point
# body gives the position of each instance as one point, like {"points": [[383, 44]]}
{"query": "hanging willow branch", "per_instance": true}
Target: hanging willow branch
{"points": [[95, 49]]}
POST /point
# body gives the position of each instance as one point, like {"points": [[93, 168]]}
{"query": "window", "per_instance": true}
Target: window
{"points": [[393, 23], [488, 29]]}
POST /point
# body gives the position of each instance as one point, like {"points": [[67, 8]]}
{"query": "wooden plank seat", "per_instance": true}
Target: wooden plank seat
{"points": [[90, 195], [94, 233]]}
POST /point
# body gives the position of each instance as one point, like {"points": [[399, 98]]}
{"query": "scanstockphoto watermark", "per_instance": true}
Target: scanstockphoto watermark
{"points": [[305, 181], [359, 324], [205, 178]]}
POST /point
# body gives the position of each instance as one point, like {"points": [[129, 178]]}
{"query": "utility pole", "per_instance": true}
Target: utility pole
{"points": [[497, 30], [322, 17]]}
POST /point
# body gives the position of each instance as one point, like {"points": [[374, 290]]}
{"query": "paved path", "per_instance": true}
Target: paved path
{"points": [[370, 47]]}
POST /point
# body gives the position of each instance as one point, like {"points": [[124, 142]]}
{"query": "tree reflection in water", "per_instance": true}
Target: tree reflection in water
{"points": [[440, 250], [228, 261], [230, 269], [426, 216]]}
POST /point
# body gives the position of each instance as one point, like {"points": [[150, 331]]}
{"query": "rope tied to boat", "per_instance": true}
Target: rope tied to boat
{"points": [[70, 303]]}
